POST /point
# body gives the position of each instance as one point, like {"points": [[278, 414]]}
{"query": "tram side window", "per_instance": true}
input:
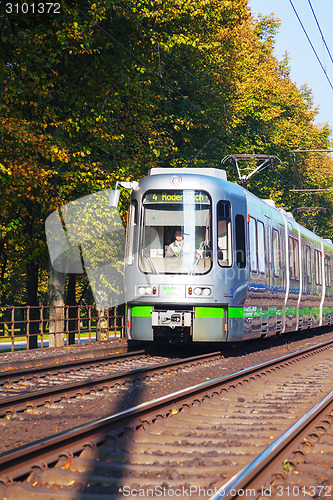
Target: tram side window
{"points": [[253, 244], [224, 246], [328, 271], [318, 274], [261, 247], [240, 242], [296, 260], [308, 264], [276, 253], [293, 258]]}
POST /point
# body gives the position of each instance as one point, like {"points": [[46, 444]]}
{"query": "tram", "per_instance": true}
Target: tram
{"points": [[207, 261]]}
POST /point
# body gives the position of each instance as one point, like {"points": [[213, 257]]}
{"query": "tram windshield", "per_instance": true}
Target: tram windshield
{"points": [[176, 233]]}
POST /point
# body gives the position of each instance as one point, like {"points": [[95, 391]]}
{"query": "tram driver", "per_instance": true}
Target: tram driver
{"points": [[176, 248]]}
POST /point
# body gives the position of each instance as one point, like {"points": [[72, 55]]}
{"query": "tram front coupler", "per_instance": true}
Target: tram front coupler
{"points": [[171, 318]]}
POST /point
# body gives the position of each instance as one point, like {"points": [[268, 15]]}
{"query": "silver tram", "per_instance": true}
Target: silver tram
{"points": [[242, 268]]}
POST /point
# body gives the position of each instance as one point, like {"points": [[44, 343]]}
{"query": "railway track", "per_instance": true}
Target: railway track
{"points": [[272, 475], [35, 376], [37, 386], [192, 441], [308, 469]]}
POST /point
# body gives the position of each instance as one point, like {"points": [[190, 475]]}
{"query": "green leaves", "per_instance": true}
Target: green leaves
{"points": [[108, 90]]}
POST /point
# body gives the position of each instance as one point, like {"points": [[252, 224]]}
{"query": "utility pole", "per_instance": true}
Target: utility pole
{"points": [[301, 211], [319, 190]]}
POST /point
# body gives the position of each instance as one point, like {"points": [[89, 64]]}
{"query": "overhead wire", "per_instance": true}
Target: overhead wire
{"points": [[320, 31], [309, 40], [324, 41]]}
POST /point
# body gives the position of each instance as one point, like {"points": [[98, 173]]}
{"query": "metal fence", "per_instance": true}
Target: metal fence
{"points": [[55, 326]]}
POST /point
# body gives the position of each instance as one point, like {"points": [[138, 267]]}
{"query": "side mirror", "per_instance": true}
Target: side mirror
{"points": [[114, 199], [115, 194]]}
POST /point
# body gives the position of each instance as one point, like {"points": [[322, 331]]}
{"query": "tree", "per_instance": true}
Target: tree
{"points": [[107, 90]]}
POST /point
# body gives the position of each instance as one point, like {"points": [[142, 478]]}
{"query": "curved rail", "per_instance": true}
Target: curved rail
{"points": [[18, 462], [247, 476]]}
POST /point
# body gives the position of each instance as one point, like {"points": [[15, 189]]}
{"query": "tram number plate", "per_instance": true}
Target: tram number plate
{"points": [[172, 291]]}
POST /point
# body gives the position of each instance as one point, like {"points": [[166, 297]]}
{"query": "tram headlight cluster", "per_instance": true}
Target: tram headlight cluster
{"points": [[202, 291], [147, 290], [198, 290]]}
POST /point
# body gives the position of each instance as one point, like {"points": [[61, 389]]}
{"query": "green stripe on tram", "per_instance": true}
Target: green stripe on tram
{"points": [[290, 311], [141, 311], [235, 312], [209, 312]]}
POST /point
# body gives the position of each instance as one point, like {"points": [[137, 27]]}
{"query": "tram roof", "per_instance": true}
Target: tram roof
{"points": [[210, 172]]}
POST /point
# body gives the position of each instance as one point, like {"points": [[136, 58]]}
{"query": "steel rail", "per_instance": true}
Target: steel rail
{"points": [[67, 365], [18, 462], [38, 398], [247, 475]]}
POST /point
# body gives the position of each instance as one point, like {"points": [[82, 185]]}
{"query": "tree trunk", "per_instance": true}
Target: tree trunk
{"points": [[102, 325], [72, 310], [56, 289], [32, 301], [3, 261]]}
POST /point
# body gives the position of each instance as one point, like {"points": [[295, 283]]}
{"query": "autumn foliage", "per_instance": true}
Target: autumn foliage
{"points": [[107, 90]]}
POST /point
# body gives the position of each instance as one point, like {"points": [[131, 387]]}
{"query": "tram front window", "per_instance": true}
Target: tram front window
{"points": [[175, 233]]}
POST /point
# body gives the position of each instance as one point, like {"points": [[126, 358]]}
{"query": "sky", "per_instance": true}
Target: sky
{"points": [[291, 38]]}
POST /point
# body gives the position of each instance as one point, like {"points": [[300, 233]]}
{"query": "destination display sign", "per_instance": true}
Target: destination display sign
{"points": [[172, 290], [176, 197]]}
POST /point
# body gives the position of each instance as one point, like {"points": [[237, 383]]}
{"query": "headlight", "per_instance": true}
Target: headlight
{"points": [[205, 292], [147, 290]]}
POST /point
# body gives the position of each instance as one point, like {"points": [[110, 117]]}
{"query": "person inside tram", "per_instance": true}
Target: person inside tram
{"points": [[222, 242], [176, 248]]}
